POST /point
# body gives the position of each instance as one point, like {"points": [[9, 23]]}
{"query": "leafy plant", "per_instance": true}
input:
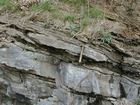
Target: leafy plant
{"points": [[74, 29], [130, 11], [137, 102], [106, 37]]}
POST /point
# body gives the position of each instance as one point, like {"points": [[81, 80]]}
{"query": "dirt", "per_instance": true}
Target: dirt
{"points": [[116, 19]]}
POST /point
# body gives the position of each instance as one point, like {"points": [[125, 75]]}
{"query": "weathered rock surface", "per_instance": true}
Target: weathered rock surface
{"points": [[39, 66]]}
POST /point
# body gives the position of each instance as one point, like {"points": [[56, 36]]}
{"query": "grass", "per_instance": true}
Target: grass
{"points": [[122, 23], [59, 26], [57, 15], [69, 17], [57, 12], [56, 7], [84, 23], [93, 13], [76, 2], [43, 6], [8, 4]]}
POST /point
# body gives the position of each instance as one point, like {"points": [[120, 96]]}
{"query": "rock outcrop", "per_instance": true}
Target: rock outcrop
{"points": [[39, 66]]}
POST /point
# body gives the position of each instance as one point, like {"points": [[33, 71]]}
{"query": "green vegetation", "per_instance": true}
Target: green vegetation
{"points": [[56, 7], [106, 37], [122, 23], [8, 4], [93, 13], [137, 102], [130, 8], [130, 11], [15, 8], [43, 6], [69, 17], [74, 29], [59, 26], [84, 23], [76, 2], [66, 11], [57, 12]]}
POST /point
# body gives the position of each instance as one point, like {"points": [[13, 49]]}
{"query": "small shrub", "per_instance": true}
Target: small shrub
{"points": [[130, 11], [106, 37], [74, 29]]}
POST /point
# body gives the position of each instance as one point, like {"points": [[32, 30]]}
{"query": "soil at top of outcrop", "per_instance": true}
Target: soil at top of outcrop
{"points": [[117, 20]]}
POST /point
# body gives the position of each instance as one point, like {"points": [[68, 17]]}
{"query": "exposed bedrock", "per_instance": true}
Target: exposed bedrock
{"points": [[40, 66]]}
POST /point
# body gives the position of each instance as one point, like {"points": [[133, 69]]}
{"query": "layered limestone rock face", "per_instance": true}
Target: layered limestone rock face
{"points": [[40, 66]]}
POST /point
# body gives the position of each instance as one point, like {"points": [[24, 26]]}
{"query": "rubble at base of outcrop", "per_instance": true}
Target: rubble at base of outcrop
{"points": [[40, 67]]}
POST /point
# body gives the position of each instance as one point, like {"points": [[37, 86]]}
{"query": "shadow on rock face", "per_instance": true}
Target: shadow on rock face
{"points": [[22, 98]]}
